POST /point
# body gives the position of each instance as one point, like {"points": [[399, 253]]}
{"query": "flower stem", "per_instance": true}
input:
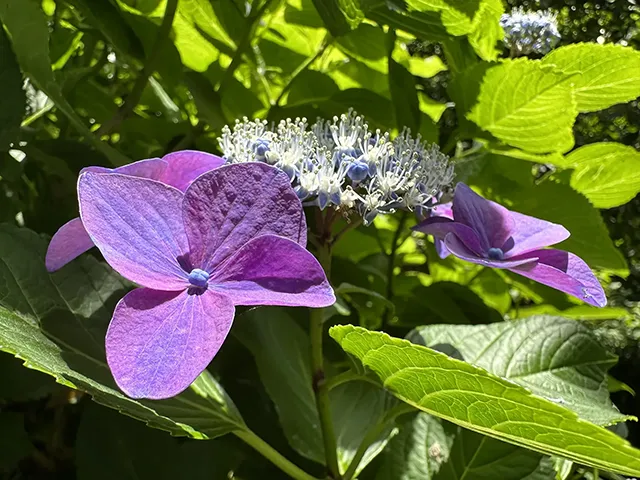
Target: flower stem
{"points": [[272, 455], [320, 389], [149, 67], [395, 244]]}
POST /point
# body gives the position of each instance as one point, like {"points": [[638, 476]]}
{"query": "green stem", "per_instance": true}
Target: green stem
{"points": [[272, 455], [320, 389], [392, 255], [328, 40], [149, 67], [243, 46], [373, 434]]}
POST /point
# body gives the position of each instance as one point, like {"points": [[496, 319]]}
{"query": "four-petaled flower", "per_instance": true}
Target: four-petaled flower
{"points": [[484, 232], [236, 237], [177, 169]]}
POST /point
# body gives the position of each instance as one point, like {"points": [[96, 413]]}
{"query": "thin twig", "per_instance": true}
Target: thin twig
{"points": [[328, 40], [243, 45], [149, 67]]}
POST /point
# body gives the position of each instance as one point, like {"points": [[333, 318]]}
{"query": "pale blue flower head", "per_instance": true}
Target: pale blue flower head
{"points": [[340, 163], [530, 32]]}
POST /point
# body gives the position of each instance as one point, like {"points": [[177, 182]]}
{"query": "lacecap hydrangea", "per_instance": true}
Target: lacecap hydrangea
{"points": [[343, 164], [530, 32]]}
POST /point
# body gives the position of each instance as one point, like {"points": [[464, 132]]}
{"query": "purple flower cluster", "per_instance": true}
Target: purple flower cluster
{"points": [[235, 236]]}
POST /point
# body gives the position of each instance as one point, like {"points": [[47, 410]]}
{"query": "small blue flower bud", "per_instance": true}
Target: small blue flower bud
{"points": [[260, 148], [495, 254], [358, 171], [198, 278]]}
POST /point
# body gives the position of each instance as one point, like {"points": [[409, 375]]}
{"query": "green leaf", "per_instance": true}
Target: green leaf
{"points": [[426, 67], [281, 350], [511, 183], [367, 44], [476, 457], [56, 324], [27, 27], [14, 441], [418, 451], [404, 97], [424, 25], [456, 16], [554, 358], [527, 105], [111, 446], [602, 75], [14, 104], [475, 399], [607, 173], [370, 305], [311, 86], [340, 16], [486, 30]]}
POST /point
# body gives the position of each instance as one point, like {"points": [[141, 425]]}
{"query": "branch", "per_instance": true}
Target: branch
{"points": [[149, 67]]}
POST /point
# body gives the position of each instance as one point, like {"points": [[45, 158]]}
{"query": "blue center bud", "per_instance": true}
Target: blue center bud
{"points": [[198, 278], [495, 254], [358, 171], [261, 147]]}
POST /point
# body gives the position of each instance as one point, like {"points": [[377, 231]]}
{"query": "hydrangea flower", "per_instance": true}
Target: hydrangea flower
{"points": [[484, 232], [342, 164], [236, 236], [530, 32], [177, 169]]}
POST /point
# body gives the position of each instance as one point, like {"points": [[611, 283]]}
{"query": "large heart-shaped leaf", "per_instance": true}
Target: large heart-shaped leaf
{"points": [[478, 400], [555, 358], [56, 324]]}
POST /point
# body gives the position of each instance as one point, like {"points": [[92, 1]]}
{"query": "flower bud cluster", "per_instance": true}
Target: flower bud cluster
{"points": [[342, 164], [530, 32]]}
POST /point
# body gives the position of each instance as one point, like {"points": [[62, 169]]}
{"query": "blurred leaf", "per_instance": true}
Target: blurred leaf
{"points": [[426, 67], [375, 108], [456, 16], [524, 96], [419, 451], [281, 352], [340, 16], [445, 302], [27, 27], [477, 457], [492, 289], [109, 446], [477, 400], [371, 306], [351, 74], [607, 173], [614, 385], [207, 100], [601, 75], [432, 108], [14, 105], [511, 184], [578, 312], [14, 441], [356, 407], [424, 25], [311, 86], [486, 30], [404, 97], [367, 44], [506, 151], [554, 358], [56, 324], [25, 384]]}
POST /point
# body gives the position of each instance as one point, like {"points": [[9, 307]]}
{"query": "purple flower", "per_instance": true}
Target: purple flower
{"points": [[444, 210], [177, 169], [236, 237], [483, 232]]}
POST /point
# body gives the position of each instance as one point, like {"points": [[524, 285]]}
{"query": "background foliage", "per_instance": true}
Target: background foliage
{"points": [[105, 82]]}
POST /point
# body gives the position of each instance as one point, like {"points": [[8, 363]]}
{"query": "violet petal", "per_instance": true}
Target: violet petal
{"points": [[566, 272], [149, 168], [137, 225], [70, 241], [492, 222], [533, 233], [460, 250], [440, 227], [159, 342], [229, 206], [184, 166], [272, 270]]}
